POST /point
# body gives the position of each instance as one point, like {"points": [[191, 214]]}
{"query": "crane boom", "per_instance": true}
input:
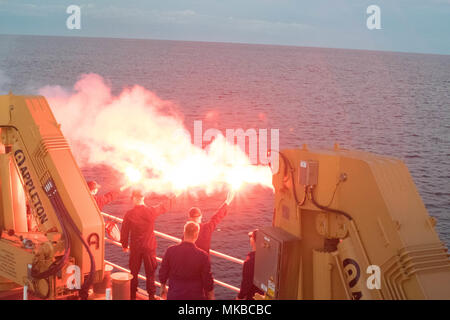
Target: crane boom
{"points": [[70, 229]]}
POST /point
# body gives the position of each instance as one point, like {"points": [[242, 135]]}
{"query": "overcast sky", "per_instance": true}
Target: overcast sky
{"points": [[407, 25]]}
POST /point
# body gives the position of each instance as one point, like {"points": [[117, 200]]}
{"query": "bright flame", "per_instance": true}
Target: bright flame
{"points": [[144, 137], [236, 184], [236, 178], [133, 175]]}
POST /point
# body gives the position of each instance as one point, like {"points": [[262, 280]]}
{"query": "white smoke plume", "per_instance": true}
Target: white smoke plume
{"points": [[144, 138]]}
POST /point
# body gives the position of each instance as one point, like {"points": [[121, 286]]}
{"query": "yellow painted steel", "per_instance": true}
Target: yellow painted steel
{"points": [[46, 166], [7, 221], [323, 264], [13, 196], [387, 226]]}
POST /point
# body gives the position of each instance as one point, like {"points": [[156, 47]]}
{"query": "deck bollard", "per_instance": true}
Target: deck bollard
{"points": [[121, 285]]}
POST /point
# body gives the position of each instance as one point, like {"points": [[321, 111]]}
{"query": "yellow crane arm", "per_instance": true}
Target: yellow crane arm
{"points": [[69, 225]]}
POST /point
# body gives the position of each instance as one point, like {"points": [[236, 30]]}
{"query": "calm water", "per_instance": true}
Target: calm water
{"points": [[395, 104]]}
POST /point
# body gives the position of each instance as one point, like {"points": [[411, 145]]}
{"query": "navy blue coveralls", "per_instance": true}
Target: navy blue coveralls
{"points": [[248, 289], [138, 224], [188, 270]]}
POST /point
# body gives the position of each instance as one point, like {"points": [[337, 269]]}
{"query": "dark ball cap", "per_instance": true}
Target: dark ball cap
{"points": [[93, 185], [194, 212]]}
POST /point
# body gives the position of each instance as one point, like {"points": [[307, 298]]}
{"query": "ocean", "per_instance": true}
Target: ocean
{"points": [[395, 104]]}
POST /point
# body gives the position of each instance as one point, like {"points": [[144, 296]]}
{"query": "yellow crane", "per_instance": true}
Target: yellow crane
{"points": [[349, 225], [41, 182]]}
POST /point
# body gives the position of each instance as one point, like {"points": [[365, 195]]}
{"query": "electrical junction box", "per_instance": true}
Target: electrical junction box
{"points": [[277, 263], [308, 173]]}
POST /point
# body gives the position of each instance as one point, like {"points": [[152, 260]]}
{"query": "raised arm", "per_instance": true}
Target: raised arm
{"points": [[106, 198], [221, 212], [219, 215], [164, 206]]}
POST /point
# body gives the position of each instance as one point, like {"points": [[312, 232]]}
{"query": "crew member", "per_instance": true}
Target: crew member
{"points": [[248, 289], [138, 225], [206, 229], [111, 228], [187, 268]]}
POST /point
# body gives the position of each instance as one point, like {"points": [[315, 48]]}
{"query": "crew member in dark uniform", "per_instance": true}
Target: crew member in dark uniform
{"points": [[187, 268], [138, 225], [110, 226], [206, 229], [248, 289]]}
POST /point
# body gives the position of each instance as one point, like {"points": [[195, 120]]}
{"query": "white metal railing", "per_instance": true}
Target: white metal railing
{"points": [[174, 239]]}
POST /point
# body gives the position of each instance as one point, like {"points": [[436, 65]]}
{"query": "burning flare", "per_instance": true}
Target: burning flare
{"points": [[133, 175], [144, 138]]}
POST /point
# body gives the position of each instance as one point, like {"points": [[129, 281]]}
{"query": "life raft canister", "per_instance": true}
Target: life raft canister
{"points": [[112, 230]]}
